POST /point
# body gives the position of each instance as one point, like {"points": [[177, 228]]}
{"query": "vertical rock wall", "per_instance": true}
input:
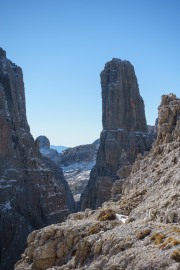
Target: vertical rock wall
{"points": [[122, 105], [124, 135], [32, 195]]}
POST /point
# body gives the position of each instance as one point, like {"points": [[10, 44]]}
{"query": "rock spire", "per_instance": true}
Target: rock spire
{"points": [[124, 135], [122, 105]]}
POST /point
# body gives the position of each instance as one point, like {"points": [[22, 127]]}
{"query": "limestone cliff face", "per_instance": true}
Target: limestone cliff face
{"points": [[31, 194], [124, 135], [152, 190], [148, 239], [122, 105]]}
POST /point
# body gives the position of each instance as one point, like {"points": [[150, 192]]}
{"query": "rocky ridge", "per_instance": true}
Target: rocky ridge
{"points": [[125, 133], [32, 195], [154, 180], [99, 239], [76, 164]]}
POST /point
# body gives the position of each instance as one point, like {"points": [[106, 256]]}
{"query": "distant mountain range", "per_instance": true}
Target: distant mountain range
{"points": [[59, 148]]}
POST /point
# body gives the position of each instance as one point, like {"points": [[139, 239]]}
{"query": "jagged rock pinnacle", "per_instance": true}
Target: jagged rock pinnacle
{"points": [[2, 53]]}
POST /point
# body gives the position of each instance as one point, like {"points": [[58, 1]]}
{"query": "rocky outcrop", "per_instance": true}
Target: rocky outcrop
{"points": [[32, 195], [53, 160], [124, 135], [43, 145], [152, 190], [104, 238], [122, 105]]}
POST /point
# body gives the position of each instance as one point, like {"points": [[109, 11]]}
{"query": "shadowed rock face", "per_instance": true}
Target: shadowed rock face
{"points": [[122, 105], [124, 135], [32, 195], [53, 160]]}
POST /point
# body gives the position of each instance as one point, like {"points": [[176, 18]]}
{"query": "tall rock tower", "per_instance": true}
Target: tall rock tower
{"points": [[124, 132], [122, 105], [32, 190]]}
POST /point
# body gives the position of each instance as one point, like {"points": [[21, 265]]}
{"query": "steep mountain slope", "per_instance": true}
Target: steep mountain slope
{"points": [[53, 160], [156, 177], [99, 239], [32, 195]]}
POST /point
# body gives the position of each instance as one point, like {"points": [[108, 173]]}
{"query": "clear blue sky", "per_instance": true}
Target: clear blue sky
{"points": [[63, 45]]}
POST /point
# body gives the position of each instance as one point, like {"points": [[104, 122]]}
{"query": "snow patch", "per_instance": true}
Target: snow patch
{"points": [[122, 218], [7, 206]]}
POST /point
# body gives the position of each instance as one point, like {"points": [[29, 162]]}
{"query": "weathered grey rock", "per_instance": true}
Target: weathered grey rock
{"points": [[43, 145], [122, 105], [77, 163], [125, 131], [79, 154], [53, 160], [87, 243], [31, 194], [151, 192], [150, 237], [43, 142]]}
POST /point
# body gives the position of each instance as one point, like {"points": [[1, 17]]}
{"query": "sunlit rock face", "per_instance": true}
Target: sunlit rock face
{"points": [[152, 190], [32, 195], [125, 132]]}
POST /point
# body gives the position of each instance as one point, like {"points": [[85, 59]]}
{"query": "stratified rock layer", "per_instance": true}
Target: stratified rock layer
{"points": [[150, 237], [31, 194], [124, 132]]}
